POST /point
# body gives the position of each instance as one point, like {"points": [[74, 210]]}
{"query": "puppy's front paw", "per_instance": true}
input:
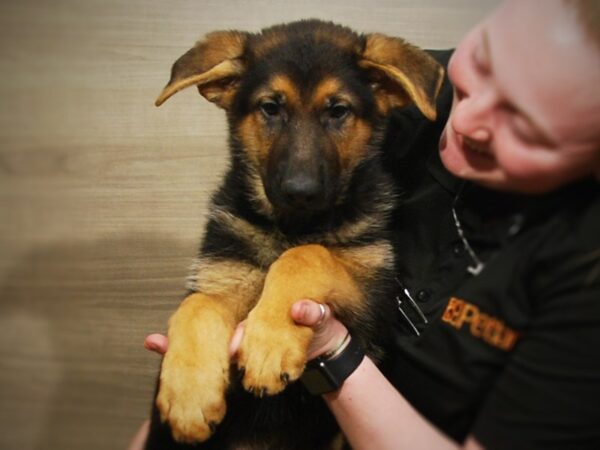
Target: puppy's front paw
{"points": [[272, 354], [191, 397]]}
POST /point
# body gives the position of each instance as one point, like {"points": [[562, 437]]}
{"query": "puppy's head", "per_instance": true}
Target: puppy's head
{"points": [[305, 103]]}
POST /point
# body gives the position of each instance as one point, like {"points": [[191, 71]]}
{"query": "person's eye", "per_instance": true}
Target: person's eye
{"points": [[523, 129], [478, 64]]}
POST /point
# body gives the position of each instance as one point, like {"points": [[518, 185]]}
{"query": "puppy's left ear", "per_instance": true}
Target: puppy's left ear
{"points": [[401, 73], [214, 65]]}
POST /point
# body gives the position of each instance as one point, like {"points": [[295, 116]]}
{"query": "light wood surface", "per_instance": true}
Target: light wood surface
{"points": [[102, 196]]}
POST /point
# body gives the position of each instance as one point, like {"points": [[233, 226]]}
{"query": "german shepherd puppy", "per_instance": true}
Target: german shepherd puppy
{"points": [[303, 212]]}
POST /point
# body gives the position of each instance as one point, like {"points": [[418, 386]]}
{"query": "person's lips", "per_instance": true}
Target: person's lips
{"points": [[464, 156], [479, 148]]}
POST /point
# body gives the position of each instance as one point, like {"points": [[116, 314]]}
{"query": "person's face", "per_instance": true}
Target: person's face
{"points": [[526, 109]]}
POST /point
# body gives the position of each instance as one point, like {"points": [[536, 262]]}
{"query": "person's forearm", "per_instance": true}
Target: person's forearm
{"points": [[373, 415]]}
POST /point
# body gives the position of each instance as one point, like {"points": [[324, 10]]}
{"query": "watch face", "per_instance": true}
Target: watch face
{"points": [[318, 380]]}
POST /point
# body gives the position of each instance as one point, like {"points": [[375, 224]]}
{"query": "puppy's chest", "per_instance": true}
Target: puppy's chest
{"points": [[361, 246], [264, 246]]}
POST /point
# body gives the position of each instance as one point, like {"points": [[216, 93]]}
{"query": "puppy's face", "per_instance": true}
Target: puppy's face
{"points": [[305, 102], [305, 129]]}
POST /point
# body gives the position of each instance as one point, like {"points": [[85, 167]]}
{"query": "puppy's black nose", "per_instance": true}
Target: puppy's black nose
{"points": [[301, 191]]}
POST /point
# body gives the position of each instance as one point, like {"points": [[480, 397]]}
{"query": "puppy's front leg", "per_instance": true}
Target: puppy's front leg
{"points": [[195, 369], [273, 350]]}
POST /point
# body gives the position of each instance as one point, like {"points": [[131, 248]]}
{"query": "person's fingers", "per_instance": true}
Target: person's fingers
{"points": [[139, 440], [310, 313], [236, 340], [157, 343]]}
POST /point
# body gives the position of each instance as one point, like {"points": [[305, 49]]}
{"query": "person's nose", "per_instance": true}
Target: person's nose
{"points": [[472, 116]]}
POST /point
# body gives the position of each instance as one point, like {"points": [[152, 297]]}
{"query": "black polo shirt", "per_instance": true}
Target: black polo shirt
{"points": [[511, 354]]}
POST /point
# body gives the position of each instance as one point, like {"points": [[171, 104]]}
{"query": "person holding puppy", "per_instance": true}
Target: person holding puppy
{"points": [[498, 336]]}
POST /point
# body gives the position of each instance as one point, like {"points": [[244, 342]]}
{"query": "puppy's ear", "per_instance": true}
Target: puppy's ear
{"points": [[213, 64], [401, 73]]}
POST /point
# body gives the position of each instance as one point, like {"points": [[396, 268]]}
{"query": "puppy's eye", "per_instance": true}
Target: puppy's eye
{"points": [[270, 108], [339, 111]]}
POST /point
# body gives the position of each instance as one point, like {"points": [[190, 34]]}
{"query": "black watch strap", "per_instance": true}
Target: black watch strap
{"points": [[324, 375]]}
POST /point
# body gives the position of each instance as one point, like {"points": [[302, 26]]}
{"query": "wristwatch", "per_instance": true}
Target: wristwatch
{"points": [[329, 371]]}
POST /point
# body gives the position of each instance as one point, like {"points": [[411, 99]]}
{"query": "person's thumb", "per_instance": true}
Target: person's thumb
{"points": [[157, 343], [310, 313]]}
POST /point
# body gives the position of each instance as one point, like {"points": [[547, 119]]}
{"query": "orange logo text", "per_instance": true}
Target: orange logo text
{"points": [[493, 331]]}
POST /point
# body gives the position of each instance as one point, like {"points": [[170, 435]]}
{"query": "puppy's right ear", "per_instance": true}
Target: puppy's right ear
{"points": [[213, 64]]}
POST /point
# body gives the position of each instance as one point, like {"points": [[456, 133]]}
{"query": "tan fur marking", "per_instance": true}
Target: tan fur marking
{"points": [[352, 145], [329, 87], [221, 45], [384, 49], [254, 139], [281, 84], [237, 282]]}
